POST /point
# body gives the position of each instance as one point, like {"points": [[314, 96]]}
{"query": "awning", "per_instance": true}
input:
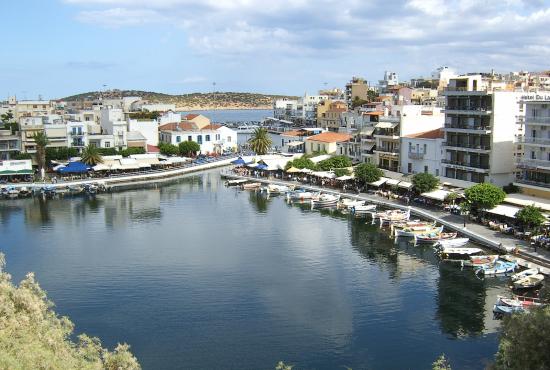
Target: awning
{"points": [[238, 161], [74, 167], [101, 167], [436, 194], [129, 166], [144, 165], [504, 210], [306, 170], [293, 170], [367, 131], [392, 182], [294, 143], [526, 200], [380, 182], [405, 185], [345, 178], [320, 158], [324, 174], [386, 125]]}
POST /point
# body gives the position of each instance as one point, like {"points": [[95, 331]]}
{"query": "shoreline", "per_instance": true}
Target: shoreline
{"points": [[195, 109]]}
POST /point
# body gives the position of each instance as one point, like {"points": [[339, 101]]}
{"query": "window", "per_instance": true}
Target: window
{"points": [[178, 139], [218, 136], [107, 144], [410, 147], [189, 138], [409, 167], [199, 139], [229, 139], [425, 148], [533, 155], [437, 171], [425, 169], [318, 147], [206, 138]]}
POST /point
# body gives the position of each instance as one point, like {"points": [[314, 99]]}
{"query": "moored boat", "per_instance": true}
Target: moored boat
{"points": [[418, 230], [391, 216], [324, 200], [348, 203], [454, 243], [251, 186], [457, 254], [276, 189], [497, 268], [434, 237], [235, 182], [300, 195], [477, 261], [363, 209], [529, 282], [524, 273]]}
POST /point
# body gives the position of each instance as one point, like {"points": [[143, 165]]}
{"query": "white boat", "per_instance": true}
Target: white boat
{"points": [[363, 209], [300, 195], [418, 230], [498, 268], [324, 200], [518, 301], [251, 186], [477, 261], [528, 282], [246, 129], [434, 237], [24, 191], [348, 203], [235, 182], [12, 192], [452, 243], [391, 216], [451, 253], [524, 273], [276, 189]]}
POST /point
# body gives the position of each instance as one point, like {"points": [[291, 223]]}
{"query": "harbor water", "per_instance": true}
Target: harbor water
{"points": [[196, 275]]}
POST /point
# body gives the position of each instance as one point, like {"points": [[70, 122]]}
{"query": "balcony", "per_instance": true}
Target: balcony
{"points": [[532, 183], [475, 129], [533, 140], [533, 163], [468, 109], [466, 165], [537, 120], [466, 146], [416, 155]]}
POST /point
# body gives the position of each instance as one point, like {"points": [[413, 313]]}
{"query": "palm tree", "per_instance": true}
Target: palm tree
{"points": [[260, 142], [91, 156], [41, 141]]}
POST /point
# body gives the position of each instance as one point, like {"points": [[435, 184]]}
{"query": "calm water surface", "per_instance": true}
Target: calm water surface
{"points": [[195, 275]]}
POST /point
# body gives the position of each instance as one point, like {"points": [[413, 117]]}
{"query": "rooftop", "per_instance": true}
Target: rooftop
{"points": [[330, 137], [433, 134]]}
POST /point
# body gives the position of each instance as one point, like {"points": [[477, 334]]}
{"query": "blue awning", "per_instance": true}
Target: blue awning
{"points": [[74, 167], [262, 166], [239, 161]]}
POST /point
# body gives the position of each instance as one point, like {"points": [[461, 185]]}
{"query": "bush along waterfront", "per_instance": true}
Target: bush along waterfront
{"points": [[32, 336]]}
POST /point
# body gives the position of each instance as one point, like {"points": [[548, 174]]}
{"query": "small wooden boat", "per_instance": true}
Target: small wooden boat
{"points": [[477, 261], [498, 268], [452, 243], [24, 191], [235, 182], [391, 216], [251, 186], [300, 195], [524, 273], [418, 230], [434, 237], [276, 189], [529, 282], [457, 254], [519, 301], [363, 209], [48, 190], [507, 310], [324, 201], [348, 203]]}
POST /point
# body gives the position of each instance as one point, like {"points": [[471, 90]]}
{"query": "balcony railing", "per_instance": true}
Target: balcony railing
{"points": [[532, 163], [533, 183], [464, 88], [474, 108], [467, 127], [466, 164], [466, 145], [544, 120], [416, 155], [388, 150], [533, 140]]}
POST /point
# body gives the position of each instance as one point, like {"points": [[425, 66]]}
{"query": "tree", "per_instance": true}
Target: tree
{"points": [[41, 141], [131, 151], [442, 363], [260, 142], [91, 156], [484, 196], [60, 153], [342, 172], [168, 149], [451, 197], [524, 341], [531, 217], [339, 161], [302, 162], [424, 182], [189, 148], [35, 337], [368, 172]]}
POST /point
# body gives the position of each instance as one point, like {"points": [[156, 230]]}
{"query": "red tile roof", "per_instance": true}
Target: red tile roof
{"points": [[213, 126], [293, 133], [152, 149], [374, 113], [329, 137], [183, 126], [433, 134], [189, 117]]}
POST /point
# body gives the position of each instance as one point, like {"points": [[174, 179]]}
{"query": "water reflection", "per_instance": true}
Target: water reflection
{"points": [[259, 200], [460, 301]]}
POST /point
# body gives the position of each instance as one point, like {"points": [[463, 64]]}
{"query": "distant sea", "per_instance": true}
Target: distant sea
{"points": [[234, 115]]}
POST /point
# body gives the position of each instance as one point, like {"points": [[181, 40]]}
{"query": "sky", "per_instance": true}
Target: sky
{"points": [[56, 48]]}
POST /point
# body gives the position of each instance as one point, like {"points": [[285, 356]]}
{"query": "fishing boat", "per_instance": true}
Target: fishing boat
{"points": [[251, 186], [276, 189], [477, 261], [235, 182], [434, 237], [524, 273], [48, 190], [300, 195], [498, 268], [452, 243], [363, 209], [418, 230], [12, 192], [24, 191], [507, 310], [324, 201], [519, 301], [529, 282], [91, 189], [348, 203], [391, 216], [457, 254], [75, 189]]}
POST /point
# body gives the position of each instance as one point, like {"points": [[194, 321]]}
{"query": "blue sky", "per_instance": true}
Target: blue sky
{"points": [[62, 47]]}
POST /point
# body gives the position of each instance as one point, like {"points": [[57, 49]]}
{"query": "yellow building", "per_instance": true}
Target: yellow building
{"points": [[325, 142], [330, 119]]}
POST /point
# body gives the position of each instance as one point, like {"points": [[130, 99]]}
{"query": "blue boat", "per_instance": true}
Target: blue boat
{"points": [[498, 268]]}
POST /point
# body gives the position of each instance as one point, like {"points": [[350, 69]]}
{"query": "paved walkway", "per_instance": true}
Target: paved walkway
{"points": [[480, 233]]}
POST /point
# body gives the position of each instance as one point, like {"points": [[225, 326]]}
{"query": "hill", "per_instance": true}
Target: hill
{"points": [[213, 100]]}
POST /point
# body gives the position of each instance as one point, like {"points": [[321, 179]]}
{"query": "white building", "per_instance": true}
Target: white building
{"points": [[77, 134], [480, 131], [113, 123], [211, 138], [149, 129], [534, 165], [169, 117], [422, 152]]}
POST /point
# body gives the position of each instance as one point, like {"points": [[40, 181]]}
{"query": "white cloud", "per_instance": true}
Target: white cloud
{"points": [[119, 17]]}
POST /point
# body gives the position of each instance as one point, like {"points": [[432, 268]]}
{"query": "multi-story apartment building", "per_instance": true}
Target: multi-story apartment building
{"points": [[9, 144], [34, 108], [357, 88], [331, 119], [113, 123], [422, 152], [404, 120], [480, 130], [30, 126], [77, 134], [534, 165]]}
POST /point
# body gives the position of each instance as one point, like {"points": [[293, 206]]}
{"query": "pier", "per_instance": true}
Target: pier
{"points": [[526, 256]]}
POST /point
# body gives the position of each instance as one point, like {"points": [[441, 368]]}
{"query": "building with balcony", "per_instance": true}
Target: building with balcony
{"points": [[356, 89], [326, 142], [534, 166], [480, 130], [331, 119], [9, 144], [422, 152], [77, 134]]}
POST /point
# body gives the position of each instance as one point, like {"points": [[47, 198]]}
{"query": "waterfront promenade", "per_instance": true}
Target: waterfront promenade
{"points": [[526, 255]]}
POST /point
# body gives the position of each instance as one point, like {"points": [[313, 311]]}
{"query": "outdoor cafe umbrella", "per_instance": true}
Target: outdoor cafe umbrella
{"points": [[74, 167], [262, 166], [293, 170], [239, 161]]}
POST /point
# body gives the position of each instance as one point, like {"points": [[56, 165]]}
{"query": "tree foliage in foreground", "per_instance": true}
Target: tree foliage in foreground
{"points": [[260, 142], [189, 148], [531, 217], [168, 149], [368, 172], [339, 161], [425, 182], [484, 196], [302, 162], [32, 336], [91, 156], [338, 172], [524, 341]]}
